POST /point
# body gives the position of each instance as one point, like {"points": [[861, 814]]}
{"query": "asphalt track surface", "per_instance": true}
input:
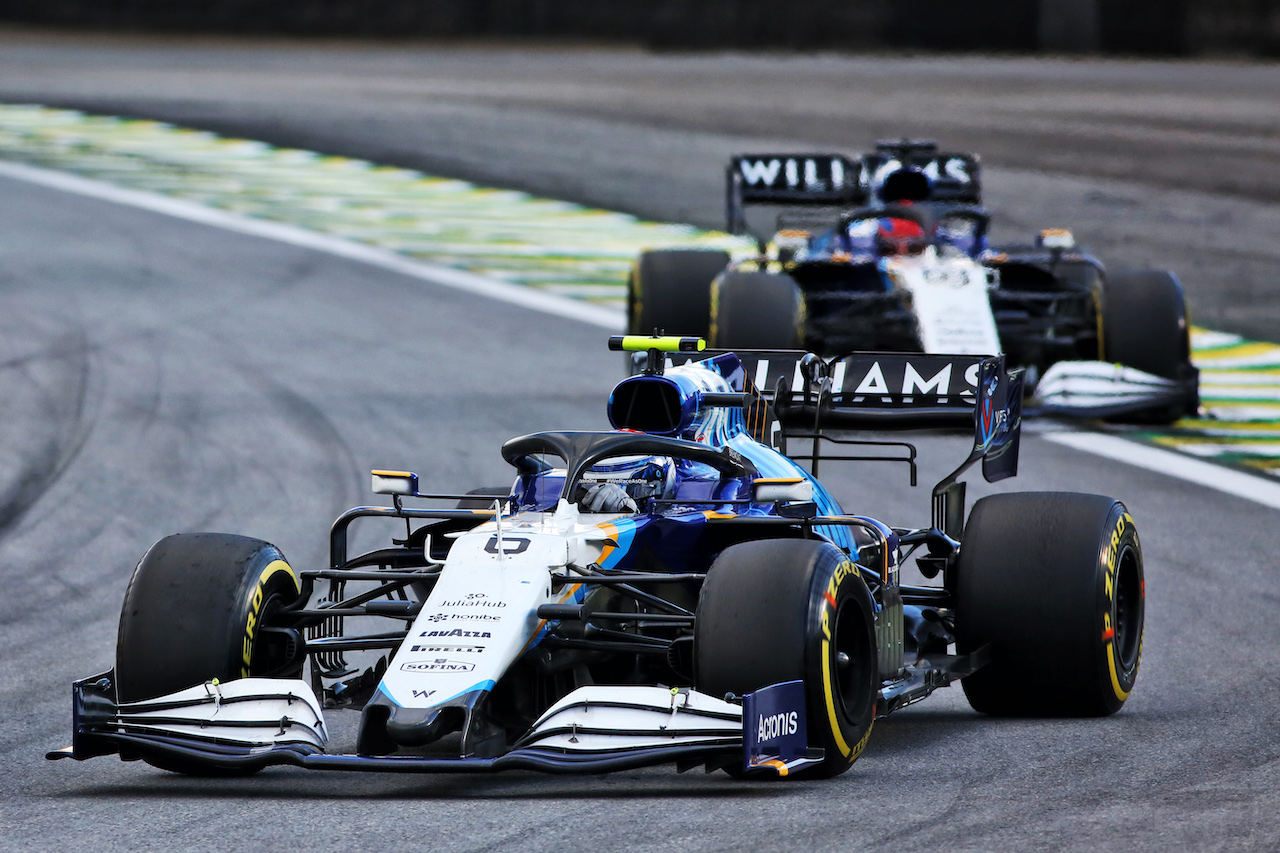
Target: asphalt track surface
{"points": [[159, 375]]}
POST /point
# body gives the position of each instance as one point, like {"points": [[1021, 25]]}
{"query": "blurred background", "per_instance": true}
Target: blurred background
{"points": [[1143, 27]]}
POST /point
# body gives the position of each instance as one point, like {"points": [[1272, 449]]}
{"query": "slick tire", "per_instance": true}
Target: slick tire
{"points": [[1052, 582], [195, 610], [756, 310], [1144, 325], [670, 290], [1145, 322], [787, 609]]}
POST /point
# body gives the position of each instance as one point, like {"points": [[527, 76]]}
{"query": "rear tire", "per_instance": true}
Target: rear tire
{"points": [[784, 610], [756, 310], [194, 611], [670, 290], [1053, 582]]}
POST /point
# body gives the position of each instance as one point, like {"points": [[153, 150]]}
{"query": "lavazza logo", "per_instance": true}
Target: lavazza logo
{"points": [[457, 632]]}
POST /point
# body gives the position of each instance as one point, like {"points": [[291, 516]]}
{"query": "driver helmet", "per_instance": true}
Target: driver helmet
{"points": [[635, 480], [896, 236]]}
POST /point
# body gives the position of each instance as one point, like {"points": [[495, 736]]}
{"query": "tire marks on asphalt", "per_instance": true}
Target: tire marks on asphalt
{"points": [[47, 410]]}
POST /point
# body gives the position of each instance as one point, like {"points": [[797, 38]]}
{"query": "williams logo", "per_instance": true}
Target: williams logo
{"points": [[438, 665]]}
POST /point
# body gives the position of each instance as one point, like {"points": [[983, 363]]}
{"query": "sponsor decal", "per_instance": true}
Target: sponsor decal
{"points": [[453, 650], [1121, 681], [423, 694], [255, 610], [478, 599], [774, 724], [816, 176], [463, 617], [954, 276], [937, 380], [843, 570], [953, 168], [777, 725], [438, 665], [457, 632]]}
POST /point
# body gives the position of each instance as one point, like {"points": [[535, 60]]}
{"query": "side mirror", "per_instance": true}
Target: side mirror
{"points": [[1056, 238], [395, 483], [783, 489]]}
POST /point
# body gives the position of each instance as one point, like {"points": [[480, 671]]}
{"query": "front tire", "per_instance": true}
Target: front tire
{"points": [[793, 609], [1053, 582], [756, 310], [193, 612]]}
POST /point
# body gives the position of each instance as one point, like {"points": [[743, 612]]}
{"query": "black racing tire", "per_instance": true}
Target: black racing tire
{"points": [[670, 290], [756, 310], [1144, 323], [1053, 582], [194, 611], [786, 609]]}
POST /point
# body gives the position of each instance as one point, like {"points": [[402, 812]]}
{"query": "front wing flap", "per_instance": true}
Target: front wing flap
{"points": [[1100, 390], [253, 723]]}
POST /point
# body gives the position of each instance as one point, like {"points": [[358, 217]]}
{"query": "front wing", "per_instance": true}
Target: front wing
{"points": [[1097, 389], [252, 723]]}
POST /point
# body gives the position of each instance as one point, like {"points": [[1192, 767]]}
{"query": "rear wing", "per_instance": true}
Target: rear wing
{"points": [[823, 180], [906, 390], [873, 390], [953, 177], [887, 391], [834, 180]]}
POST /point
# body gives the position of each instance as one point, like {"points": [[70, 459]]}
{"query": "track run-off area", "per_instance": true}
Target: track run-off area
{"points": [[554, 247]]}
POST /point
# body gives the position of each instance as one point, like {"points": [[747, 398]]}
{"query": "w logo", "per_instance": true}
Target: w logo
{"points": [[761, 172]]}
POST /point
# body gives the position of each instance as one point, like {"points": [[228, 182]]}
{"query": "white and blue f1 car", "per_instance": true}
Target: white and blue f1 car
{"points": [[673, 591], [890, 251]]}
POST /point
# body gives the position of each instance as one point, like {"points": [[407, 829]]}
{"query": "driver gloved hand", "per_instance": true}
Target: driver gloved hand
{"points": [[607, 497]]}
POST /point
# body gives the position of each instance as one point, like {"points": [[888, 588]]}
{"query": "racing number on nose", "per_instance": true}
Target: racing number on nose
{"points": [[510, 545]]}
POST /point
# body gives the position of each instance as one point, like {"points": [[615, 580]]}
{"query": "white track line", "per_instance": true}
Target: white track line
{"points": [[1228, 480], [1206, 474], [536, 300]]}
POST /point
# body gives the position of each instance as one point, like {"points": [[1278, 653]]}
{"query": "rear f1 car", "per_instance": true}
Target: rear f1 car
{"points": [[674, 591], [890, 252]]}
